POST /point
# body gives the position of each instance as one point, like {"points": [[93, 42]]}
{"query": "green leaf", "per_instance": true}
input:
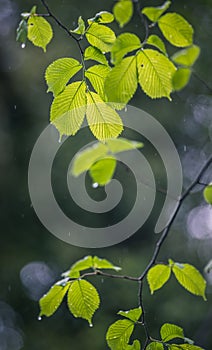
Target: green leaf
{"points": [[80, 265], [190, 278], [81, 27], [102, 171], [50, 302], [153, 13], [176, 29], [99, 263], [155, 346], [123, 11], [157, 276], [83, 300], [119, 333], [68, 109], [155, 73], [155, 41], [124, 43], [101, 37], [181, 78], [22, 29], [170, 331], [86, 158], [102, 17], [187, 57], [184, 347], [60, 72], [92, 53], [103, 121], [33, 10], [39, 31], [208, 194], [133, 314], [97, 75], [135, 346], [121, 145], [121, 83]]}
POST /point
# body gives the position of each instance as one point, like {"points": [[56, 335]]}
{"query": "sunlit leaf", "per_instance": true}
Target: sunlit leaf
{"points": [[121, 145], [80, 265], [133, 314], [60, 72], [39, 31], [102, 171], [208, 194], [22, 29], [99, 263], [155, 346], [121, 83], [97, 74], [157, 276], [123, 11], [156, 41], [153, 13], [68, 109], [155, 73], [50, 302], [119, 333], [124, 43], [102, 17], [103, 121], [101, 37], [187, 57], [83, 300], [181, 78], [81, 27], [184, 347], [135, 346], [92, 53], [176, 29], [170, 331]]}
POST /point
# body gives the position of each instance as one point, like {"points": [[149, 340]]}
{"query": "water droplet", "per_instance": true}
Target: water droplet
{"points": [[95, 185], [90, 324], [184, 148], [125, 108], [15, 106], [39, 318], [23, 45]]}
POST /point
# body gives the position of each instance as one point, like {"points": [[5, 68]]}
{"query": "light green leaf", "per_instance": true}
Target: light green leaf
{"points": [[181, 78], [155, 73], [39, 31], [157, 276], [102, 17], [83, 300], [135, 346], [208, 194], [123, 11], [187, 57], [80, 265], [184, 347], [68, 109], [121, 83], [86, 158], [99, 263], [170, 331], [104, 122], [153, 13], [156, 41], [133, 314], [121, 145], [81, 27], [50, 302], [176, 29], [97, 75], [119, 333], [102, 171], [60, 72], [33, 10], [101, 37], [92, 53], [155, 346], [190, 278], [22, 29], [124, 43]]}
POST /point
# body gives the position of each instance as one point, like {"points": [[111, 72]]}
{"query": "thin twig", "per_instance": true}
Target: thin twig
{"points": [[143, 20]]}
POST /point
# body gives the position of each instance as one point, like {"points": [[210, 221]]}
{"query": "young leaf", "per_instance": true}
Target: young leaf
{"points": [[135, 346], [121, 145], [170, 331], [121, 83], [102, 171], [123, 11], [133, 314], [184, 347], [22, 29], [39, 31], [60, 72], [103, 121], [153, 13], [83, 300], [155, 73], [101, 37], [208, 194], [50, 302], [157, 276], [92, 53], [190, 278], [186, 57], [119, 333], [81, 27], [86, 158], [176, 29], [181, 78], [80, 265], [155, 41], [97, 75], [124, 43], [104, 264], [68, 109], [155, 346], [102, 17]]}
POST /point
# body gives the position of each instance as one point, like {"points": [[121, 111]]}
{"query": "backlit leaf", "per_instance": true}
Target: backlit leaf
{"points": [[123, 11], [133, 314], [121, 145], [155, 346], [208, 194], [181, 78], [135, 346], [102, 171], [39, 31], [102, 17], [153, 13], [119, 333], [99, 263], [50, 302], [187, 57], [170, 331], [176, 29], [101, 37], [81, 27], [92, 53], [156, 41], [80, 265], [60, 72], [97, 74], [124, 43], [184, 347], [157, 276]]}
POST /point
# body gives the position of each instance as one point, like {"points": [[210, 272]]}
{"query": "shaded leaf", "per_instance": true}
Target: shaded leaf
{"points": [[153, 13], [181, 78], [22, 29], [102, 17], [101, 37], [155, 73], [123, 11], [187, 57], [208, 194], [96, 75], [39, 31], [121, 145], [104, 264], [156, 41], [155, 346], [135, 346], [119, 333], [50, 302], [133, 314], [81, 27], [124, 43], [92, 53], [170, 331], [60, 72], [83, 300], [102, 171], [157, 276], [176, 29]]}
